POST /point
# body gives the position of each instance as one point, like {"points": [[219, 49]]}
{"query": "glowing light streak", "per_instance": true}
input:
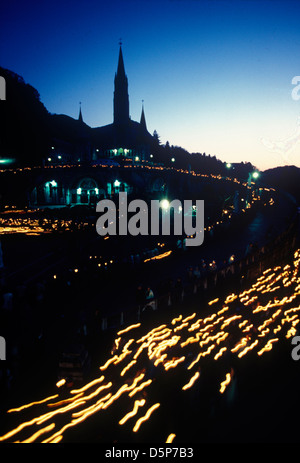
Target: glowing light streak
{"points": [[159, 256], [267, 347], [173, 363], [121, 357], [246, 350], [230, 298], [180, 327], [92, 408], [65, 401], [127, 367], [229, 320], [38, 434], [243, 323], [209, 319], [207, 328], [109, 361], [225, 383], [170, 438], [12, 410], [220, 353], [146, 417], [115, 396], [264, 332], [137, 404], [65, 409], [243, 342], [291, 332], [191, 340], [151, 333], [18, 429], [190, 317], [224, 309], [125, 348], [140, 387], [87, 386], [61, 383], [191, 381], [160, 359], [175, 320], [131, 327], [253, 298], [195, 325], [213, 301], [248, 328], [222, 338]]}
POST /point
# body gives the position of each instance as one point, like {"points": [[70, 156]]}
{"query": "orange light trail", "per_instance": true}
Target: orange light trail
{"points": [[182, 343], [146, 417]]}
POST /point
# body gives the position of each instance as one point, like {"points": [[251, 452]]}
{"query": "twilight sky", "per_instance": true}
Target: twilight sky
{"points": [[215, 75]]}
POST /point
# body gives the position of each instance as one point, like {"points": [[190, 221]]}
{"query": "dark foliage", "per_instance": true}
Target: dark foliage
{"points": [[24, 132]]}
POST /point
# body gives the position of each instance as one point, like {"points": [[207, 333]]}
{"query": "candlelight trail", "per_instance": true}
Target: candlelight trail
{"points": [[157, 379]]}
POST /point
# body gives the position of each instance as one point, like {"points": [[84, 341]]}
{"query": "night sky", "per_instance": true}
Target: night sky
{"points": [[215, 75]]}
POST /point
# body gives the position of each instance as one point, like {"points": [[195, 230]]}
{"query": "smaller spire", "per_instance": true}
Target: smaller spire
{"points": [[143, 119], [80, 113]]}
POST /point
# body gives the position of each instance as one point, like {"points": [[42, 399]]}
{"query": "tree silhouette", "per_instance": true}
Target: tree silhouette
{"points": [[24, 122]]}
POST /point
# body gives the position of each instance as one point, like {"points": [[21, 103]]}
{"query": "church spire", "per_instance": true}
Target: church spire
{"points": [[80, 114], [121, 67], [143, 119], [121, 98]]}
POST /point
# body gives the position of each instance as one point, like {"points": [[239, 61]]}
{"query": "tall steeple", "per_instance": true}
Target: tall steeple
{"points": [[143, 119], [121, 98]]}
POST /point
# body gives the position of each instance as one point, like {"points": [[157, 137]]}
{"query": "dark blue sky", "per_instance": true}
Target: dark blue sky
{"points": [[215, 75]]}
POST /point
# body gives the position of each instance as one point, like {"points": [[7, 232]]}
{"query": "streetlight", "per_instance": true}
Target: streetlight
{"points": [[165, 204], [252, 175]]}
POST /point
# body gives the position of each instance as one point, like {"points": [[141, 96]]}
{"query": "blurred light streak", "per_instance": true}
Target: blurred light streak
{"points": [[146, 417], [191, 381], [137, 404]]}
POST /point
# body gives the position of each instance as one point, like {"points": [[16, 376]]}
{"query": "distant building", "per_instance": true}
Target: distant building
{"points": [[76, 142]]}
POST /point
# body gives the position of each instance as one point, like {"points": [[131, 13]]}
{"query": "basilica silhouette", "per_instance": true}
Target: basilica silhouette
{"points": [[74, 141]]}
